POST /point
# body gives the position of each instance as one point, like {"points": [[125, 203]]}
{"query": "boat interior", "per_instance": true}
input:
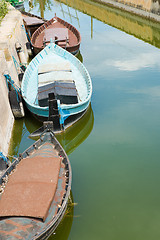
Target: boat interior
{"points": [[58, 79], [58, 32]]}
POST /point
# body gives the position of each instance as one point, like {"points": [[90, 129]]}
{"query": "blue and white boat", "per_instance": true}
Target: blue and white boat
{"points": [[56, 85]]}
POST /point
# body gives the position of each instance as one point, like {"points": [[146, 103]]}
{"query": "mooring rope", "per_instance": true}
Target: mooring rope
{"points": [[26, 34], [12, 83]]}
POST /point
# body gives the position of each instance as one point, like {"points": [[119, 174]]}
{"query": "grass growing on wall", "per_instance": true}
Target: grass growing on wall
{"points": [[3, 9]]}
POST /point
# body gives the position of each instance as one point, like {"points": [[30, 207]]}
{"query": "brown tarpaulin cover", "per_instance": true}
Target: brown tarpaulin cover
{"points": [[32, 20], [31, 188]]}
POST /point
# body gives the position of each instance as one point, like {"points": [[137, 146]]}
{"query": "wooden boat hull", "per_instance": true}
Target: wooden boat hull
{"points": [[73, 36], [19, 227], [53, 53]]}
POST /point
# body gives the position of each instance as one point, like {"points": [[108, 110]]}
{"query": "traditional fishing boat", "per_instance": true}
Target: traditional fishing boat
{"points": [[35, 190], [56, 86], [61, 33]]}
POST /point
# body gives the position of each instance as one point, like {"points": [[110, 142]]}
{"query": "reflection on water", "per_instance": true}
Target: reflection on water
{"points": [[63, 230], [79, 56], [139, 27], [75, 135], [43, 5], [17, 135], [70, 139]]}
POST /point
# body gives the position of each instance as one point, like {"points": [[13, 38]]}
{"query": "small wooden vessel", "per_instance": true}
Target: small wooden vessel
{"points": [[62, 33], [56, 86], [37, 189], [32, 22]]}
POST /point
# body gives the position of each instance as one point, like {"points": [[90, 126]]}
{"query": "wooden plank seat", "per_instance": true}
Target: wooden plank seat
{"points": [[56, 78], [49, 67], [51, 77], [31, 188], [65, 91], [48, 73], [56, 34]]}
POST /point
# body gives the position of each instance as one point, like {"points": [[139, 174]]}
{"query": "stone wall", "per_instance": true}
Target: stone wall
{"points": [[11, 32]]}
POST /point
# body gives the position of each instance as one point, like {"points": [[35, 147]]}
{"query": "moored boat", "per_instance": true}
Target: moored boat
{"points": [[37, 189], [61, 32], [32, 22], [56, 85]]}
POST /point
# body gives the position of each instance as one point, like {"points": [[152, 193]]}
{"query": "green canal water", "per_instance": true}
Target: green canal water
{"points": [[114, 149]]}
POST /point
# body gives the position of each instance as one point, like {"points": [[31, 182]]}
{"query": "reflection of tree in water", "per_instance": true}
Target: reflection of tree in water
{"points": [[43, 5]]}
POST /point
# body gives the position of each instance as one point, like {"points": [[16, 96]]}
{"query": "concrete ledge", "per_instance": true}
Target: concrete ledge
{"points": [[6, 119], [11, 31]]}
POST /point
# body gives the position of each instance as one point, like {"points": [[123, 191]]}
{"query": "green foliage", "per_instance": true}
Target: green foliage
{"points": [[3, 9]]}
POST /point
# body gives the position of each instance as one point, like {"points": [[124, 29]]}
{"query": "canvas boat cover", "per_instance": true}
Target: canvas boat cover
{"points": [[31, 188], [30, 21]]}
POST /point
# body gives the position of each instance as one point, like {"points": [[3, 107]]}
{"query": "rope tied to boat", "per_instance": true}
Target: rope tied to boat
{"points": [[20, 66], [10, 82], [26, 34]]}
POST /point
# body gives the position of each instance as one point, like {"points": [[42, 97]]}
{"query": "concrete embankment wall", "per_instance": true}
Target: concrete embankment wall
{"points": [[11, 32]]}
